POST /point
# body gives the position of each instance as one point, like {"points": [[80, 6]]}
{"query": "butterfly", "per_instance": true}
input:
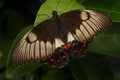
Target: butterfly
{"points": [[57, 39]]}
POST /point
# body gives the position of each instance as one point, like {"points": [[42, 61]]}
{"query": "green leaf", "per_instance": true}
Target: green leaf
{"points": [[61, 6], [91, 67], [55, 75], [16, 71], [81, 1], [45, 12], [107, 43], [47, 72], [109, 7], [77, 70]]}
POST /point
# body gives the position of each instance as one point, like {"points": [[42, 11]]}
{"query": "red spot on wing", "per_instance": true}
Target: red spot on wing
{"points": [[51, 60], [58, 61], [75, 51], [84, 45], [67, 46], [81, 50], [63, 57]]}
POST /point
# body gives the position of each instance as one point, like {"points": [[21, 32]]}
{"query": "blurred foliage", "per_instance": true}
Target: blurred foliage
{"points": [[101, 62]]}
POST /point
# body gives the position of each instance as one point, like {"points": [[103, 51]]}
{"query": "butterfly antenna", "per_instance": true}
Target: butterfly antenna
{"points": [[57, 4]]}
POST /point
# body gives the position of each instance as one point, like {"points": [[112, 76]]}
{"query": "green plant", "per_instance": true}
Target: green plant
{"points": [[95, 65]]}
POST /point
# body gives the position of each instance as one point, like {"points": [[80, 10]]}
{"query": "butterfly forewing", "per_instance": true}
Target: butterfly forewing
{"points": [[84, 24], [37, 45]]}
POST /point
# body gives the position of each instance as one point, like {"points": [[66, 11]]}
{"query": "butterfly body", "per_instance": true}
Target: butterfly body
{"points": [[60, 31], [63, 36]]}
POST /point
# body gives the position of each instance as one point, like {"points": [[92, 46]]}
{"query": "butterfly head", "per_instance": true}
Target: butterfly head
{"points": [[54, 13]]}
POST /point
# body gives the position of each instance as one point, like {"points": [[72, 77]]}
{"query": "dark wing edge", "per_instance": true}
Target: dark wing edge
{"points": [[84, 25]]}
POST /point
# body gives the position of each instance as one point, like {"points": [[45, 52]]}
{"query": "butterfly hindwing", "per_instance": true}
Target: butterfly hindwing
{"points": [[59, 58]]}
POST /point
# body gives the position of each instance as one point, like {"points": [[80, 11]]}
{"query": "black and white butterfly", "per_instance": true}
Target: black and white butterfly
{"points": [[63, 36]]}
